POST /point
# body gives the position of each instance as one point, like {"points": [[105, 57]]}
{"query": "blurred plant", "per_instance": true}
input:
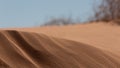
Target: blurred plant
{"points": [[60, 21], [108, 10]]}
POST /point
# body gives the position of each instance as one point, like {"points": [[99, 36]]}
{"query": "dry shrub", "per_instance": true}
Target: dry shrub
{"points": [[108, 10], [59, 21]]}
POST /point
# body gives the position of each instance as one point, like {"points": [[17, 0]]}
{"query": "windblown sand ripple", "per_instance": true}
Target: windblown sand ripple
{"points": [[32, 50]]}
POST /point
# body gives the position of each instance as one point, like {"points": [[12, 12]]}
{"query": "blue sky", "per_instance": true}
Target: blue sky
{"points": [[25, 13]]}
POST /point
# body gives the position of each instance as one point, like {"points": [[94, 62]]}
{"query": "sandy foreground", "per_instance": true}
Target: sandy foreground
{"points": [[94, 45]]}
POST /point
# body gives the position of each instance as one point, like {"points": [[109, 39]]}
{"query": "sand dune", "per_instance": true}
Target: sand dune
{"points": [[99, 35], [78, 46], [31, 50]]}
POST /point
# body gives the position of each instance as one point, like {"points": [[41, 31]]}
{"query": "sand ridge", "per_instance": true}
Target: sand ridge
{"points": [[32, 50]]}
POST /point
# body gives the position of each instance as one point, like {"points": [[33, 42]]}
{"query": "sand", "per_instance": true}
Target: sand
{"points": [[94, 45]]}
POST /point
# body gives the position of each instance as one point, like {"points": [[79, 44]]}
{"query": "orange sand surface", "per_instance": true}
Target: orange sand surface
{"points": [[94, 45]]}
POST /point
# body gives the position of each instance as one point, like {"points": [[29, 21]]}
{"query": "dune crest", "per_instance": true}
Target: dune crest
{"points": [[31, 50]]}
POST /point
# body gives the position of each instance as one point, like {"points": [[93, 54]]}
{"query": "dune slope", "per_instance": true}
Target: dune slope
{"points": [[31, 50]]}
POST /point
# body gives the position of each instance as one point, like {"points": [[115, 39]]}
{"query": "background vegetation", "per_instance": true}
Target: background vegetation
{"points": [[108, 10], [61, 21]]}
